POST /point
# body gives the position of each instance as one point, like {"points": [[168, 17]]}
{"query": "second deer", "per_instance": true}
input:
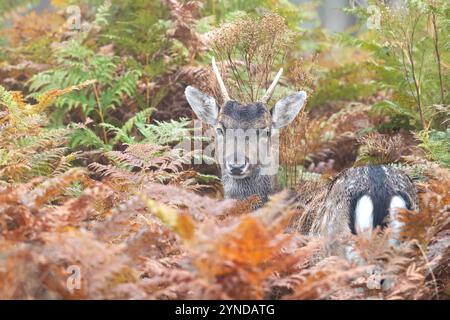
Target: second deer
{"points": [[357, 200]]}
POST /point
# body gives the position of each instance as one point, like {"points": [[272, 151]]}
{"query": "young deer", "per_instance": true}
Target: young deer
{"points": [[357, 200]]}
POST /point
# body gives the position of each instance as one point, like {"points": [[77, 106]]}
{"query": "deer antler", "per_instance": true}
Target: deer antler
{"points": [[269, 91], [223, 90]]}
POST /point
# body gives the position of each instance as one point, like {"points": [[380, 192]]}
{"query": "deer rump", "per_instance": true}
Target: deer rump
{"points": [[358, 200]]}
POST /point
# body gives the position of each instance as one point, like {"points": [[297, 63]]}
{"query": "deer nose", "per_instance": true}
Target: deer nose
{"points": [[237, 169]]}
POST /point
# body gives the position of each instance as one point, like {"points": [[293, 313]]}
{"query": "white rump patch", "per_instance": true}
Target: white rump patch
{"points": [[397, 202], [364, 216]]}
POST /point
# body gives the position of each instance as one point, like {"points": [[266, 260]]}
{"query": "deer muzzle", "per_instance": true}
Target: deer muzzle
{"points": [[238, 170]]}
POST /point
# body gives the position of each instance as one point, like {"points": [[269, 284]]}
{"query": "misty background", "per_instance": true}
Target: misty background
{"points": [[330, 12]]}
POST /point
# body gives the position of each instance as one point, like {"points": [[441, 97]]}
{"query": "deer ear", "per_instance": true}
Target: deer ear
{"points": [[204, 106], [287, 109]]}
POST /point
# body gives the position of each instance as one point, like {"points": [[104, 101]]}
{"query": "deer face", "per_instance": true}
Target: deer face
{"points": [[245, 134]]}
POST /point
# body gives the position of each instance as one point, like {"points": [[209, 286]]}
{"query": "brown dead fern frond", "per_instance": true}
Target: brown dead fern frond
{"points": [[146, 163], [183, 16], [377, 148], [260, 43]]}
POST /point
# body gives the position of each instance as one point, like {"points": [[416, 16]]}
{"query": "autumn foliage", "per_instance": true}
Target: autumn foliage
{"points": [[162, 242], [98, 202]]}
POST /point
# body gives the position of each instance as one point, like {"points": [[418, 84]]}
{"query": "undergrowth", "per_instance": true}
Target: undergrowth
{"points": [[99, 201]]}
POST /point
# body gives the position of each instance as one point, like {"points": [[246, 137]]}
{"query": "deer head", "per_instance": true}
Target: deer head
{"points": [[245, 136]]}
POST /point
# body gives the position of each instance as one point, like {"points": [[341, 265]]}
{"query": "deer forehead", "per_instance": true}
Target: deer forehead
{"points": [[252, 116]]}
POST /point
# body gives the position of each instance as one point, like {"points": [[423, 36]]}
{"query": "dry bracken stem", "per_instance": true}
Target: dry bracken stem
{"points": [[147, 87], [429, 268], [413, 71], [247, 61], [406, 71], [402, 51], [100, 113], [239, 81], [421, 65], [438, 55], [82, 114], [147, 91]]}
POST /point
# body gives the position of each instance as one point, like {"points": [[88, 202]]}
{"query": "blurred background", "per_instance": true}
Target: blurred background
{"points": [[330, 12], [93, 116]]}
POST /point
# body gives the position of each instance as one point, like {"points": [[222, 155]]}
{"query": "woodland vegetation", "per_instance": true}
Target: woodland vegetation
{"points": [[97, 202]]}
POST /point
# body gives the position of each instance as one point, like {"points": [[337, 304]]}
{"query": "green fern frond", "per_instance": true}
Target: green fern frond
{"points": [[27, 148], [123, 134], [84, 136], [436, 145], [103, 13], [163, 133], [415, 172], [120, 134], [76, 63]]}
